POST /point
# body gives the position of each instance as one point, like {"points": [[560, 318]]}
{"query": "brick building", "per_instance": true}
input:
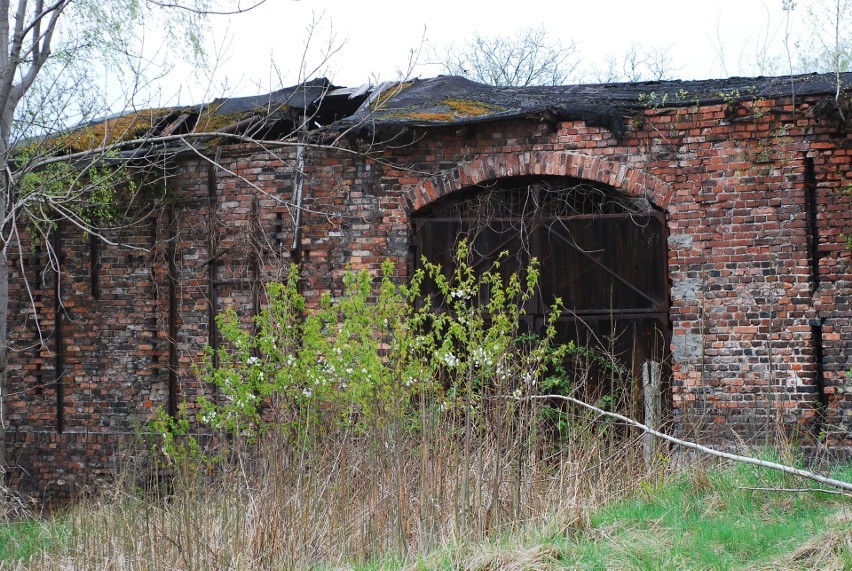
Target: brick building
{"points": [[701, 224]]}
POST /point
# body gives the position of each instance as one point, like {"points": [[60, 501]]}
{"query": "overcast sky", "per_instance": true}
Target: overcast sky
{"points": [[373, 40]]}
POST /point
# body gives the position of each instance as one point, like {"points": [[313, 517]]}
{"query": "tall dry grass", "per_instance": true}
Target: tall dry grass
{"points": [[395, 493]]}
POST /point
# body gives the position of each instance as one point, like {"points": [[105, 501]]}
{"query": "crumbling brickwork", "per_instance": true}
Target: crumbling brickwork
{"points": [[757, 201]]}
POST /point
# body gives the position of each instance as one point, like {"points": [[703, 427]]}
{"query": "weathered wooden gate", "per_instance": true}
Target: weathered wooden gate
{"points": [[602, 253]]}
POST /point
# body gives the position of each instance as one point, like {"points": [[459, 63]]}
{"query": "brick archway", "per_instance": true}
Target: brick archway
{"points": [[553, 163], [605, 258]]}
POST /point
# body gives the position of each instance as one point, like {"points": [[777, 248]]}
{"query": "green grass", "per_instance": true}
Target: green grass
{"points": [[707, 520], [19, 540], [698, 519]]}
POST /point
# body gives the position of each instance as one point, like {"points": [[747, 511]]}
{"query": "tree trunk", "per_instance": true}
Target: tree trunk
{"points": [[6, 201], [4, 358]]}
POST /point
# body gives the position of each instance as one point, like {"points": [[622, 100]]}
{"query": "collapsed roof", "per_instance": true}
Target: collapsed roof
{"points": [[320, 106]]}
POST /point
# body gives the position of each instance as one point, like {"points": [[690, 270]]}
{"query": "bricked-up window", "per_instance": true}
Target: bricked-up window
{"points": [[601, 252]]}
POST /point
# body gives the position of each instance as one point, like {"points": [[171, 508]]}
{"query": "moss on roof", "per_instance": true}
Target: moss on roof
{"points": [[390, 93], [469, 108], [447, 110], [108, 131], [209, 120]]}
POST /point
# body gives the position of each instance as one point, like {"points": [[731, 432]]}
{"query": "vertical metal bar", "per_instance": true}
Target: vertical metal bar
{"points": [[255, 258], [298, 187], [155, 225], [173, 357], [38, 281], [819, 374], [817, 323], [660, 352], [213, 266], [539, 307], [94, 265], [812, 228], [297, 251], [59, 355]]}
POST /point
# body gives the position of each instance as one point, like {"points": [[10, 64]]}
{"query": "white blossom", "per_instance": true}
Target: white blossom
{"points": [[460, 294], [449, 359], [481, 357]]}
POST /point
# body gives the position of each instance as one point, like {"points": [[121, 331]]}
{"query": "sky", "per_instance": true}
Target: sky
{"points": [[368, 41]]}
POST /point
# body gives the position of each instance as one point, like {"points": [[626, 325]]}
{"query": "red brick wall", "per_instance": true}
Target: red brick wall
{"points": [[732, 179]]}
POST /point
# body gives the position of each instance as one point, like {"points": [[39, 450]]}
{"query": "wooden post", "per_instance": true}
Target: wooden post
{"points": [[651, 373]]}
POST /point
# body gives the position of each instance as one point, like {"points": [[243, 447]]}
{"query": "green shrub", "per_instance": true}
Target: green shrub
{"points": [[374, 359]]}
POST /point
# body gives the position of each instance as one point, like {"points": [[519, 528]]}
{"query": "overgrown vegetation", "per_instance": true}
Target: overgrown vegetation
{"points": [[391, 429], [377, 366], [382, 422], [701, 518]]}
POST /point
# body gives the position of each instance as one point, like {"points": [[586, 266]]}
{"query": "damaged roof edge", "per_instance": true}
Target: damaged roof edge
{"points": [[429, 102], [440, 101]]}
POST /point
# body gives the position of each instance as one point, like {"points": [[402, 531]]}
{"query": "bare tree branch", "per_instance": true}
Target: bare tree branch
{"points": [[529, 58], [207, 12], [47, 48], [839, 484], [638, 63]]}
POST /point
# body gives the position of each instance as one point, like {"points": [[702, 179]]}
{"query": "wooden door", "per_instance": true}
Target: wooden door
{"points": [[602, 254]]}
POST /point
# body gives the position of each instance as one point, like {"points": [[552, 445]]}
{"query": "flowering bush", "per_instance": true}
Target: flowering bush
{"points": [[374, 360]]}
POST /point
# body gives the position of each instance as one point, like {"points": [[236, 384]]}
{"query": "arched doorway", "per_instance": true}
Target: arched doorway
{"points": [[602, 252]]}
